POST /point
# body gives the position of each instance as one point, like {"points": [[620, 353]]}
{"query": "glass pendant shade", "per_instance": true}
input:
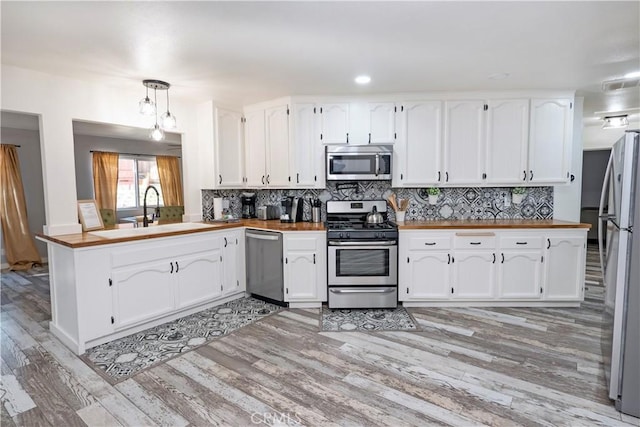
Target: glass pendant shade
{"points": [[156, 133], [147, 107], [168, 121]]}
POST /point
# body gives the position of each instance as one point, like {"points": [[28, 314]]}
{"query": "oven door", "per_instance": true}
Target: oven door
{"points": [[358, 166], [363, 263]]}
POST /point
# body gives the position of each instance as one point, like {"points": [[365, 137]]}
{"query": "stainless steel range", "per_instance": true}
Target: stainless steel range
{"points": [[362, 257]]}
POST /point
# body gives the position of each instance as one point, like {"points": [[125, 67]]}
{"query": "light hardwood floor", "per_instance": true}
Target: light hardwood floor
{"points": [[502, 366]]}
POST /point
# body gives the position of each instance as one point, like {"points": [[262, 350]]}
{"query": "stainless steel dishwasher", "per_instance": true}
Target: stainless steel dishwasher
{"points": [[265, 276]]}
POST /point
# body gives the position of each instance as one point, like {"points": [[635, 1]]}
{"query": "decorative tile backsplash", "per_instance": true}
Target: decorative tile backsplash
{"points": [[453, 203]]}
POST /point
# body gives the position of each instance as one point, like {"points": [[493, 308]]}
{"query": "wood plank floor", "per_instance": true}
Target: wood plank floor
{"points": [[499, 367]]}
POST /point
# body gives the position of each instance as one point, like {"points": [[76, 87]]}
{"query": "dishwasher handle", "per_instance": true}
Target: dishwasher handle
{"points": [[262, 236]]}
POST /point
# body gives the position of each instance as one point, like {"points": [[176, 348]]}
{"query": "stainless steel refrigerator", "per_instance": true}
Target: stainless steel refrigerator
{"points": [[620, 259]]}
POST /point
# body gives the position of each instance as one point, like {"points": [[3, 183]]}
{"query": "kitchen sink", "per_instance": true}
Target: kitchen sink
{"points": [[145, 231]]}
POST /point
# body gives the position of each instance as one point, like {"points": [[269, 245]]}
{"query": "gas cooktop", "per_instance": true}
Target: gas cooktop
{"points": [[360, 225]]}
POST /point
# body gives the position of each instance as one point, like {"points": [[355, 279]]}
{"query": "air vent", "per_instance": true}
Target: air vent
{"points": [[618, 84]]}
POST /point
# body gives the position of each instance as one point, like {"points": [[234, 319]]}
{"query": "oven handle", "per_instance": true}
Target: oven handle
{"points": [[361, 291], [368, 243]]}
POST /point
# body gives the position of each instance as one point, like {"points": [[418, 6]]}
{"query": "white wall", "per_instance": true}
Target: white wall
{"points": [[58, 101], [31, 172]]}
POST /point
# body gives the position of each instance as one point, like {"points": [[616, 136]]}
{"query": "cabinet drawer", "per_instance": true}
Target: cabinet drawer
{"points": [[426, 243], [521, 242], [301, 243], [471, 240]]}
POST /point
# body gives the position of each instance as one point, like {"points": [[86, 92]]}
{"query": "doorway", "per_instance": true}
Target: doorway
{"points": [[594, 167]]}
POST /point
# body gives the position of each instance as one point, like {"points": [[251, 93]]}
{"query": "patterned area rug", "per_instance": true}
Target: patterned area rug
{"points": [[119, 359], [388, 319]]}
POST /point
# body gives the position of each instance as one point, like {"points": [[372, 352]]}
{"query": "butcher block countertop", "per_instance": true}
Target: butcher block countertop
{"points": [[497, 223], [87, 239]]}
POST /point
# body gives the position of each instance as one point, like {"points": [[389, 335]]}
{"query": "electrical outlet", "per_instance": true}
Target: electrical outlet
{"points": [[507, 201]]}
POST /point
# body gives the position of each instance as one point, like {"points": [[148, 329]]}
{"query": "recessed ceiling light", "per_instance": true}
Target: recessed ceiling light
{"points": [[632, 75], [615, 122], [499, 76], [363, 80]]}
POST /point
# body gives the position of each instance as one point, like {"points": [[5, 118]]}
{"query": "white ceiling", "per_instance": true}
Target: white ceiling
{"points": [[244, 52]]}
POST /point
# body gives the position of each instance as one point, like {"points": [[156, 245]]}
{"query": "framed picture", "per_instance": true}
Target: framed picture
{"points": [[89, 215]]}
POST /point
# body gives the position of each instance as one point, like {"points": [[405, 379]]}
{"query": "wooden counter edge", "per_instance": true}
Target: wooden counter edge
{"points": [[533, 224]]}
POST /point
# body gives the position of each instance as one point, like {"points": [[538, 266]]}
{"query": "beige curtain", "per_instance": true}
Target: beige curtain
{"points": [[105, 179], [20, 248], [169, 171]]}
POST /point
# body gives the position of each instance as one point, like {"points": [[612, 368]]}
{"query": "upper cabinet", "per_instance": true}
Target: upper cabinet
{"points": [[381, 123], [255, 149], [306, 153], [418, 150], [334, 123], [228, 154], [550, 138], [507, 141], [277, 144], [464, 142]]}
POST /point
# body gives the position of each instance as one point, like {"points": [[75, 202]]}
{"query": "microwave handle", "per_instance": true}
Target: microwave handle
{"points": [[377, 164]]}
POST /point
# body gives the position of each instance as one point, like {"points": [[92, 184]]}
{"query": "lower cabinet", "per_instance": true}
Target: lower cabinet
{"points": [[233, 263], [508, 266], [305, 267], [198, 278]]}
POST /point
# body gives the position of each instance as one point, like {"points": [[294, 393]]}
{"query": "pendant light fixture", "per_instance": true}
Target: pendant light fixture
{"points": [[147, 107]]}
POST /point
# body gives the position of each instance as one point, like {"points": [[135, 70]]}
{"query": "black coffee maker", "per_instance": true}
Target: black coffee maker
{"points": [[248, 201], [291, 209]]}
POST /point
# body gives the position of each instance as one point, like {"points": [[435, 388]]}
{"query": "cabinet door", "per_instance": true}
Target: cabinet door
{"points": [[564, 265], [519, 274], [301, 276], [473, 274], [232, 263], [277, 128], [198, 277], [142, 292], [306, 152], [419, 147], [551, 130], [429, 276], [255, 153], [464, 142], [382, 123], [334, 123], [228, 151], [507, 141]]}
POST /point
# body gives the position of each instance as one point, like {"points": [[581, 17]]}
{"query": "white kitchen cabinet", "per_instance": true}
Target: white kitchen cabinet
{"points": [[233, 265], [255, 149], [520, 274], [464, 136], [277, 146], [564, 264], [507, 141], [334, 123], [382, 123], [198, 277], [473, 274], [228, 152], [428, 276], [550, 140], [141, 292], [418, 150], [306, 152], [305, 267]]}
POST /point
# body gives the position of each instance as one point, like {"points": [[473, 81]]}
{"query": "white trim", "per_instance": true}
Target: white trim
{"points": [[305, 304], [77, 347], [492, 304]]}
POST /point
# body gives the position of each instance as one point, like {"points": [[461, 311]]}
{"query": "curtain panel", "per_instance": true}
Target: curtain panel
{"points": [[169, 171], [20, 248], [105, 179]]}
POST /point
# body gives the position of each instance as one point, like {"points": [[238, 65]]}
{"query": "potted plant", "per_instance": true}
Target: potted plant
{"points": [[433, 193], [517, 194]]}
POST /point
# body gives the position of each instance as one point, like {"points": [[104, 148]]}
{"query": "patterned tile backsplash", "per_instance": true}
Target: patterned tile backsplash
{"points": [[453, 203]]}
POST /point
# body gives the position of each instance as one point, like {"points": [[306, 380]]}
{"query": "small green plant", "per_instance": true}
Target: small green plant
{"points": [[433, 191], [518, 190]]}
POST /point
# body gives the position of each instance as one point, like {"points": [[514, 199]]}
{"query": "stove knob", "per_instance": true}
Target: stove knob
{"points": [[340, 236], [348, 236]]}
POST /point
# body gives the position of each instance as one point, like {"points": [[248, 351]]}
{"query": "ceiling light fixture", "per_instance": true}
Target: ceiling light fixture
{"points": [[632, 75], [499, 76], [615, 122], [363, 80], [147, 107]]}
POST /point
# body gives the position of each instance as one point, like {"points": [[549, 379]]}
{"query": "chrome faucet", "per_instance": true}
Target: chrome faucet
{"points": [[145, 220]]}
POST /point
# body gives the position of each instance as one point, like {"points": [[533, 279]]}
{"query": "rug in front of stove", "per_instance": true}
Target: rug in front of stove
{"points": [[121, 358], [378, 319]]}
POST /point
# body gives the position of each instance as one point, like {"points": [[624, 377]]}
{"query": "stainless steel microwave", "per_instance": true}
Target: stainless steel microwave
{"points": [[359, 162]]}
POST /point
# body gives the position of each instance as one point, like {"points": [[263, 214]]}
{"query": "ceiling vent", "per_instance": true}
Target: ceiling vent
{"points": [[618, 84]]}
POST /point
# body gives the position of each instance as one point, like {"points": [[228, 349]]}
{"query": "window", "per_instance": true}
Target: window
{"points": [[134, 175]]}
